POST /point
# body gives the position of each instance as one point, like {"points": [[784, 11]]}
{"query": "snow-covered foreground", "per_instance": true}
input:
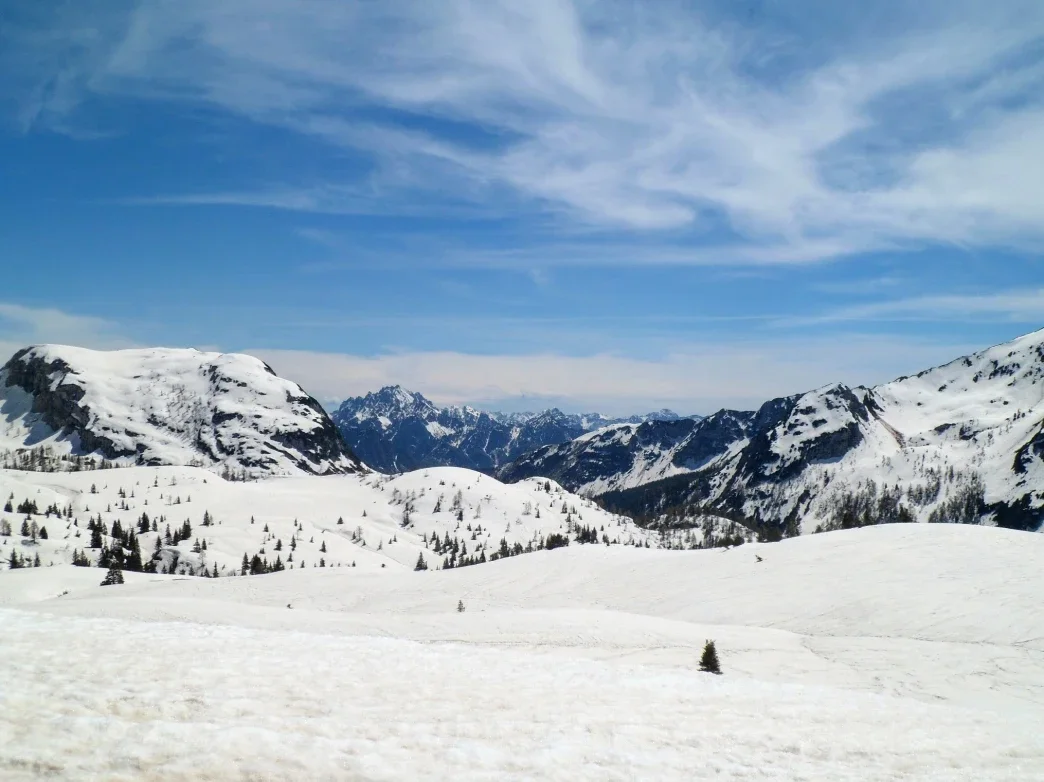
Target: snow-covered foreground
{"points": [[898, 652], [108, 699]]}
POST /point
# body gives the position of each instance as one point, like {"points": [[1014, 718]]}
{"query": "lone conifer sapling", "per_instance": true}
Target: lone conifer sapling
{"points": [[709, 660]]}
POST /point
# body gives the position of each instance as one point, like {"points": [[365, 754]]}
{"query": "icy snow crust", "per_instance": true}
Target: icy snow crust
{"points": [[908, 652], [169, 406]]}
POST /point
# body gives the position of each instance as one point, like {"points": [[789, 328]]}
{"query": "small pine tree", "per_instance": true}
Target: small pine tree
{"points": [[114, 576], [709, 660], [421, 564], [460, 606]]}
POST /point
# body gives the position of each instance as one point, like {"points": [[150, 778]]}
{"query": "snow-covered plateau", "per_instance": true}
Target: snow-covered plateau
{"points": [[895, 652]]}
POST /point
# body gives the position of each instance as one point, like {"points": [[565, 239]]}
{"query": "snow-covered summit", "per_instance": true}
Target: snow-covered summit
{"points": [[167, 406], [390, 402]]}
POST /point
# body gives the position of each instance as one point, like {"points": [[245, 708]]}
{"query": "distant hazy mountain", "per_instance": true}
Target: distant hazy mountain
{"points": [[395, 430], [959, 443]]}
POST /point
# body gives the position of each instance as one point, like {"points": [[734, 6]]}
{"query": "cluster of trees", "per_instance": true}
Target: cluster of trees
{"points": [[43, 458], [229, 474], [457, 555], [704, 532], [965, 505], [869, 504], [123, 549], [258, 565], [16, 562], [29, 529]]}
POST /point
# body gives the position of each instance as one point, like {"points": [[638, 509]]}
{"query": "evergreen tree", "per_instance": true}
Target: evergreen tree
{"points": [[322, 548], [43, 533], [134, 560], [25, 528], [114, 576], [460, 606], [709, 660], [14, 561], [421, 564], [257, 565], [8, 508]]}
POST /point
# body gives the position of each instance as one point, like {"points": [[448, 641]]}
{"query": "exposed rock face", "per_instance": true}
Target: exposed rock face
{"points": [[963, 442], [395, 430], [159, 406]]}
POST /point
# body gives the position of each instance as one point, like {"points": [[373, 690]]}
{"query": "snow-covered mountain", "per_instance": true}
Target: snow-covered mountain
{"points": [[395, 430], [163, 406], [961, 442]]}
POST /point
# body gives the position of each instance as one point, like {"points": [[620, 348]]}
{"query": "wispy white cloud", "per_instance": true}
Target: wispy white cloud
{"points": [[803, 145], [21, 326], [694, 378], [690, 377], [1021, 306]]}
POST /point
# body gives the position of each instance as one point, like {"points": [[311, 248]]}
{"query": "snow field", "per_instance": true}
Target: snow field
{"points": [[885, 653], [92, 698]]}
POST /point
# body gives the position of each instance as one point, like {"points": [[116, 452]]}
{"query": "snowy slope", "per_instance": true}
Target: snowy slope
{"points": [[364, 520], [898, 652], [395, 430], [163, 406], [962, 442]]}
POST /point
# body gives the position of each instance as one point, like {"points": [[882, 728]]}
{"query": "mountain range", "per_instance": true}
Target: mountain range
{"points": [[960, 442], [394, 430]]}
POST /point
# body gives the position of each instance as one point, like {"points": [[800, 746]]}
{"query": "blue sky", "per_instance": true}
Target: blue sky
{"points": [[609, 205]]}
